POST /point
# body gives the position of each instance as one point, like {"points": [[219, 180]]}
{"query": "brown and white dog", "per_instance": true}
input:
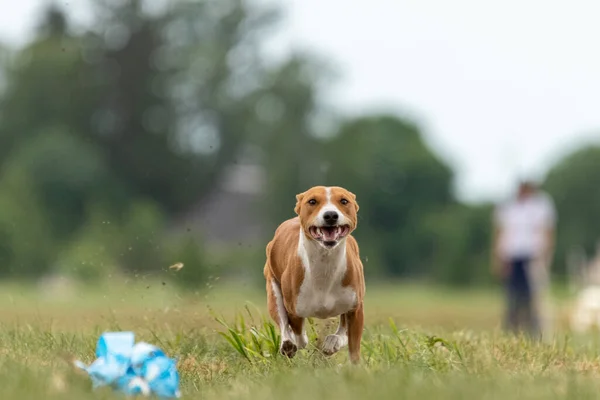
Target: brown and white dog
{"points": [[313, 269]]}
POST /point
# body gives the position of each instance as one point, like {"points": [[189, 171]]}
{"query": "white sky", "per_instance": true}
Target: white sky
{"points": [[500, 88]]}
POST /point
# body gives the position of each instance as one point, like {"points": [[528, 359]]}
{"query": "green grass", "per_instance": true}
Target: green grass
{"points": [[419, 342]]}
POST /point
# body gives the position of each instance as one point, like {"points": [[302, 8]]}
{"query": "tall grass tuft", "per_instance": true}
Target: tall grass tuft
{"points": [[255, 339]]}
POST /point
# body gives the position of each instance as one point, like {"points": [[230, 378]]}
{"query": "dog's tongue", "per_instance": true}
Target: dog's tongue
{"points": [[329, 234]]}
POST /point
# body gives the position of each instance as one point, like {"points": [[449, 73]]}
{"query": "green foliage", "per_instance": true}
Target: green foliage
{"points": [[290, 150], [573, 184], [65, 172], [136, 108], [26, 242], [460, 240], [110, 132], [404, 360], [409, 222], [141, 237], [259, 341], [251, 342], [398, 182], [106, 245], [46, 87], [195, 273], [88, 258]]}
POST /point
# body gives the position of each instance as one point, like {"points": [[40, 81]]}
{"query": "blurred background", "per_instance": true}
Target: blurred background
{"points": [[137, 134]]}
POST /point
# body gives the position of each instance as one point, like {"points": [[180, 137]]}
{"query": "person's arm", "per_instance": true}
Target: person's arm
{"points": [[497, 265], [493, 247], [549, 233], [549, 243]]}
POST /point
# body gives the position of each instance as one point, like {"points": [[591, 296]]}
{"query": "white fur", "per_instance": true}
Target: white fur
{"points": [[286, 332], [585, 277], [284, 325], [329, 206], [587, 310], [335, 342], [302, 339], [321, 293]]}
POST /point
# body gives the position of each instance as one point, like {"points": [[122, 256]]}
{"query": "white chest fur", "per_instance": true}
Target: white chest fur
{"points": [[321, 293]]}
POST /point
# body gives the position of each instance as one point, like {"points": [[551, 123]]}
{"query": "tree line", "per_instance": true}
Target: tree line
{"points": [[110, 131]]}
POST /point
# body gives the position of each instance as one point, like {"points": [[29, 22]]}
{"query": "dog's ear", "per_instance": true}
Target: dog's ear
{"points": [[353, 197], [299, 198]]}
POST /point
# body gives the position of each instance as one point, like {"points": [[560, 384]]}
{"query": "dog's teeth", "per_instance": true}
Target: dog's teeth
{"points": [[319, 232]]}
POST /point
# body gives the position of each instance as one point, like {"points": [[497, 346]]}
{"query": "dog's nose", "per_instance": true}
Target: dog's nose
{"points": [[330, 217]]}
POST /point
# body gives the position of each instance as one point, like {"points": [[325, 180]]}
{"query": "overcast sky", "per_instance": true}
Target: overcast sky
{"points": [[500, 88]]}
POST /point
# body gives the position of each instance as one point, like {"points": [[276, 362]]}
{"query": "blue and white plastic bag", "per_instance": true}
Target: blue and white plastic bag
{"points": [[134, 369]]}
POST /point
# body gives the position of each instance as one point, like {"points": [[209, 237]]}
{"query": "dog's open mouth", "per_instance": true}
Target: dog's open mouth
{"points": [[329, 235]]}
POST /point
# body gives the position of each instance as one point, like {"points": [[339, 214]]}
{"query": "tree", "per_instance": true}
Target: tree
{"points": [[44, 87], [45, 108], [291, 152], [459, 237], [398, 182], [26, 241], [145, 107], [573, 184]]}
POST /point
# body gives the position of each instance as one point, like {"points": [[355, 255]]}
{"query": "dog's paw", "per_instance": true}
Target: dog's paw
{"points": [[302, 340], [333, 343], [288, 348]]}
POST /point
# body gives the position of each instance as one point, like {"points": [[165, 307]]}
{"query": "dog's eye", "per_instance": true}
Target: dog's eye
{"points": [[344, 201], [312, 202]]}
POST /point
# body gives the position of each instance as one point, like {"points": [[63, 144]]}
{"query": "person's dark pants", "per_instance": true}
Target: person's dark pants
{"points": [[521, 314]]}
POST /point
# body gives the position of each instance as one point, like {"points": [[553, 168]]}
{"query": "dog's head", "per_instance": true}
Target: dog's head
{"points": [[327, 214]]}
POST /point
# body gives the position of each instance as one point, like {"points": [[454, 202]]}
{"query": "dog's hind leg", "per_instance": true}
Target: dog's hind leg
{"points": [[279, 314], [355, 321]]}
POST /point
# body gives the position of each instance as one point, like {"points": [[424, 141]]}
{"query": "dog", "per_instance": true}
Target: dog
{"points": [[313, 270], [586, 313], [585, 277]]}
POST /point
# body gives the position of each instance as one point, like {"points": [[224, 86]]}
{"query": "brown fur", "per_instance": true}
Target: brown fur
{"points": [[284, 266]]}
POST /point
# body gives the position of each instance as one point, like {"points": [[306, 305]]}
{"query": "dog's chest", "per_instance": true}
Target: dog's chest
{"points": [[322, 295]]}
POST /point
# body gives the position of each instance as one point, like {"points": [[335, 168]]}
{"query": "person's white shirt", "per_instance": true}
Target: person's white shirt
{"points": [[523, 223]]}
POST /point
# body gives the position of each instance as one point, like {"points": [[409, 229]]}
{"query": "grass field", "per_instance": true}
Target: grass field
{"points": [[419, 342]]}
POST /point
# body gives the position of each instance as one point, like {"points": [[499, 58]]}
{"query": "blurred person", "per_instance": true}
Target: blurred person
{"points": [[523, 244]]}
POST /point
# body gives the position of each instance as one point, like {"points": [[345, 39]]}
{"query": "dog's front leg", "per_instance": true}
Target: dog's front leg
{"points": [[333, 343], [299, 331]]}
